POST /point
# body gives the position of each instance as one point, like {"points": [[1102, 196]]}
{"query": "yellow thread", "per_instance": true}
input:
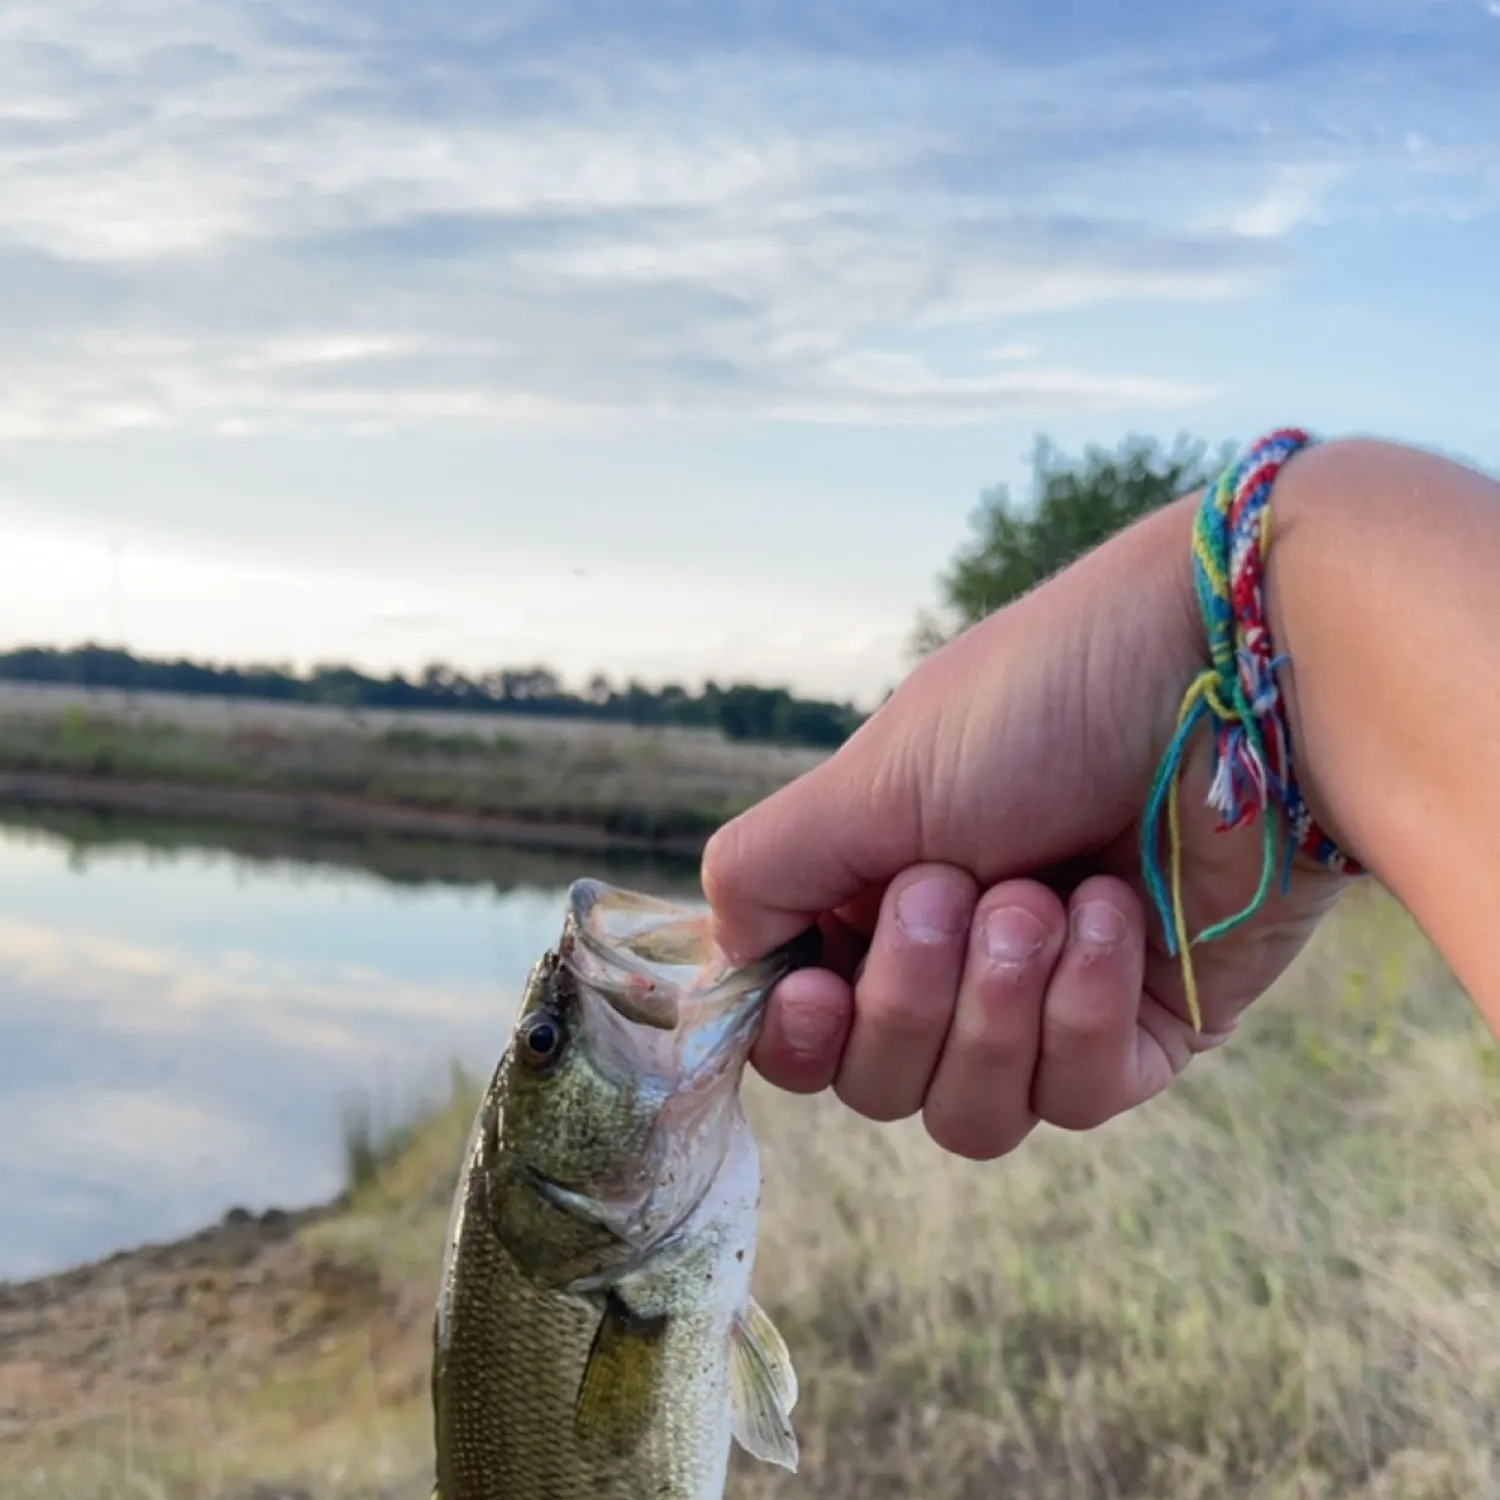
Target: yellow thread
{"points": [[1210, 692], [1179, 918], [1204, 686], [1209, 563]]}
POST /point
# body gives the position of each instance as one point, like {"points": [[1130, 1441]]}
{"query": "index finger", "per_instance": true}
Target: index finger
{"points": [[805, 851]]}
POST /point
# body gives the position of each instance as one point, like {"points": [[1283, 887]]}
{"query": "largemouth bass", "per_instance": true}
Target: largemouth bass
{"points": [[595, 1333]]}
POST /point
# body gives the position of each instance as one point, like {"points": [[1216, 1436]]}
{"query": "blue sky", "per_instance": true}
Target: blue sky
{"points": [[676, 339]]}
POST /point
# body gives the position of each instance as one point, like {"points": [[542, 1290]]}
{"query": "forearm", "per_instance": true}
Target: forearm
{"points": [[1383, 586]]}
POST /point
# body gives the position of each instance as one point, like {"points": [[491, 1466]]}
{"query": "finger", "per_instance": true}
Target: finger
{"points": [[846, 941], [1089, 1069], [979, 1102], [806, 1027], [859, 916], [810, 1012], [849, 824], [904, 996]]}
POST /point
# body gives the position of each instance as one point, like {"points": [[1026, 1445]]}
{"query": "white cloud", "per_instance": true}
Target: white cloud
{"points": [[113, 985], [583, 224], [225, 219], [871, 385], [1293, 197], [109, 1135]]}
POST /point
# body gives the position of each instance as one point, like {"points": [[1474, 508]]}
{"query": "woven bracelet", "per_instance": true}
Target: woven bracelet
{"points": [[1253, 772]]}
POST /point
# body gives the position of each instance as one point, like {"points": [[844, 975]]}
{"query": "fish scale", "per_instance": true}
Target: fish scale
{"points": [[595, 1332]]}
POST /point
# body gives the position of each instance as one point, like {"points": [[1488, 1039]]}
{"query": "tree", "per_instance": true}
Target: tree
{"points": [[1074, 505], [741, 711]]}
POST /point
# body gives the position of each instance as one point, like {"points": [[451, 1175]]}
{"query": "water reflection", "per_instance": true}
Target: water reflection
{"points": [[181, 1023]]}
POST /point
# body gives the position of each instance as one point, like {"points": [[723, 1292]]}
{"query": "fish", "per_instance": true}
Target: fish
{"points": [[595, 1333]]}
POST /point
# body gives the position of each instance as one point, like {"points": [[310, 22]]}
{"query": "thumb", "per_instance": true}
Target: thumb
{"points": [[850, 823]]}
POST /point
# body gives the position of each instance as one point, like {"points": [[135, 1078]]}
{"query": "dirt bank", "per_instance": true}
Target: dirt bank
{"points": [[78, 1342]]}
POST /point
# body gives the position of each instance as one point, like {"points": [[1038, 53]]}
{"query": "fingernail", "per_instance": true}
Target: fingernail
{"points": [[1098, 924], [809, 1029], [931, 911], [1012, 936]]}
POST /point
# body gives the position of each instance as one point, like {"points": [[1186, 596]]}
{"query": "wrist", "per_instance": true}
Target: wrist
{"points": [[1305, 587], [1362, 534], [1158, 622], [1241, 695]]}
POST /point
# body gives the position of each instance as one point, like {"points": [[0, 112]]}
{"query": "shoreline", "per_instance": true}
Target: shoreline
{"points": [[329, 812], [238, 1229]]}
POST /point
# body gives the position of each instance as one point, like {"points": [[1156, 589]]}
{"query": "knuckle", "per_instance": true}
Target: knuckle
{"points": [[1080, 1027], [905, 1012], [991, 1043]]}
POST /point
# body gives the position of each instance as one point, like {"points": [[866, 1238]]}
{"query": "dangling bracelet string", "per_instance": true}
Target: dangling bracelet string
{"points": [[1238, 692]]}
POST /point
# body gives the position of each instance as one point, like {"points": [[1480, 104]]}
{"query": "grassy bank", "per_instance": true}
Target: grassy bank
{"points": [[1277, 1283], [567, 785]]}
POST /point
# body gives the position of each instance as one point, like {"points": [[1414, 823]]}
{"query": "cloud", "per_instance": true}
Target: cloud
{"points": [[236, 218], [1292, 198], [99, 1138], [154, 1085]]}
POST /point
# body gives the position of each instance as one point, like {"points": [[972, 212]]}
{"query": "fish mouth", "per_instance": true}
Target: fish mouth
{"points": [[620, 944], [656, 964]]}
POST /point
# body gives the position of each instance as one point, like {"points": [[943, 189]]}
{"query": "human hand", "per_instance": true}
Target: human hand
{"points": [[973, 855]]}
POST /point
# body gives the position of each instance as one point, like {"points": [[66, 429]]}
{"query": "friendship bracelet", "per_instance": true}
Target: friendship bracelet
{"points": [[1252, 766]]}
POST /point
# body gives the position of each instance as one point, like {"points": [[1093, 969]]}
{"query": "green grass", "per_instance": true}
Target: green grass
{"points": [[1277, 1282]]}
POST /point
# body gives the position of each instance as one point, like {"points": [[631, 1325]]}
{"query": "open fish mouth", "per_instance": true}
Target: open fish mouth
{"points": [[639, 953], [656, 964]]}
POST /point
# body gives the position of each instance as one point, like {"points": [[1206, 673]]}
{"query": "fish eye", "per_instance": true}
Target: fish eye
{"points": [[541, 1037]]}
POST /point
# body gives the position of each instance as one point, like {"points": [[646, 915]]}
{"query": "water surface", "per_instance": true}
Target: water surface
{"points": [[183, 1023]]}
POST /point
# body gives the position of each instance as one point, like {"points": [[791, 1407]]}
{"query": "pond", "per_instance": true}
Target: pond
{"points": [[186, 1015]]}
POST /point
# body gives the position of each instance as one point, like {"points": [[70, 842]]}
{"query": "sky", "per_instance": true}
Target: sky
{"points": [[678, 340]]}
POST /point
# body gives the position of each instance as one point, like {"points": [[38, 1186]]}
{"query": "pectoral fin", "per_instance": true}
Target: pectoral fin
{"points": [[621, 1385], [762, 1389]]}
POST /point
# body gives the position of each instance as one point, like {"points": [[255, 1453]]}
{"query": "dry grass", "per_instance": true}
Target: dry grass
{"points": [[638, 783], [1278, 1282]]}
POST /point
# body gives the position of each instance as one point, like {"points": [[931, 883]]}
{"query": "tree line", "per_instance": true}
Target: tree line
{"points": [[1013, 544], [741, 711]]}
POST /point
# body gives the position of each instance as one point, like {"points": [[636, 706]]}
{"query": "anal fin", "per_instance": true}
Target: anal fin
{"points": [[762, 1388]]}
